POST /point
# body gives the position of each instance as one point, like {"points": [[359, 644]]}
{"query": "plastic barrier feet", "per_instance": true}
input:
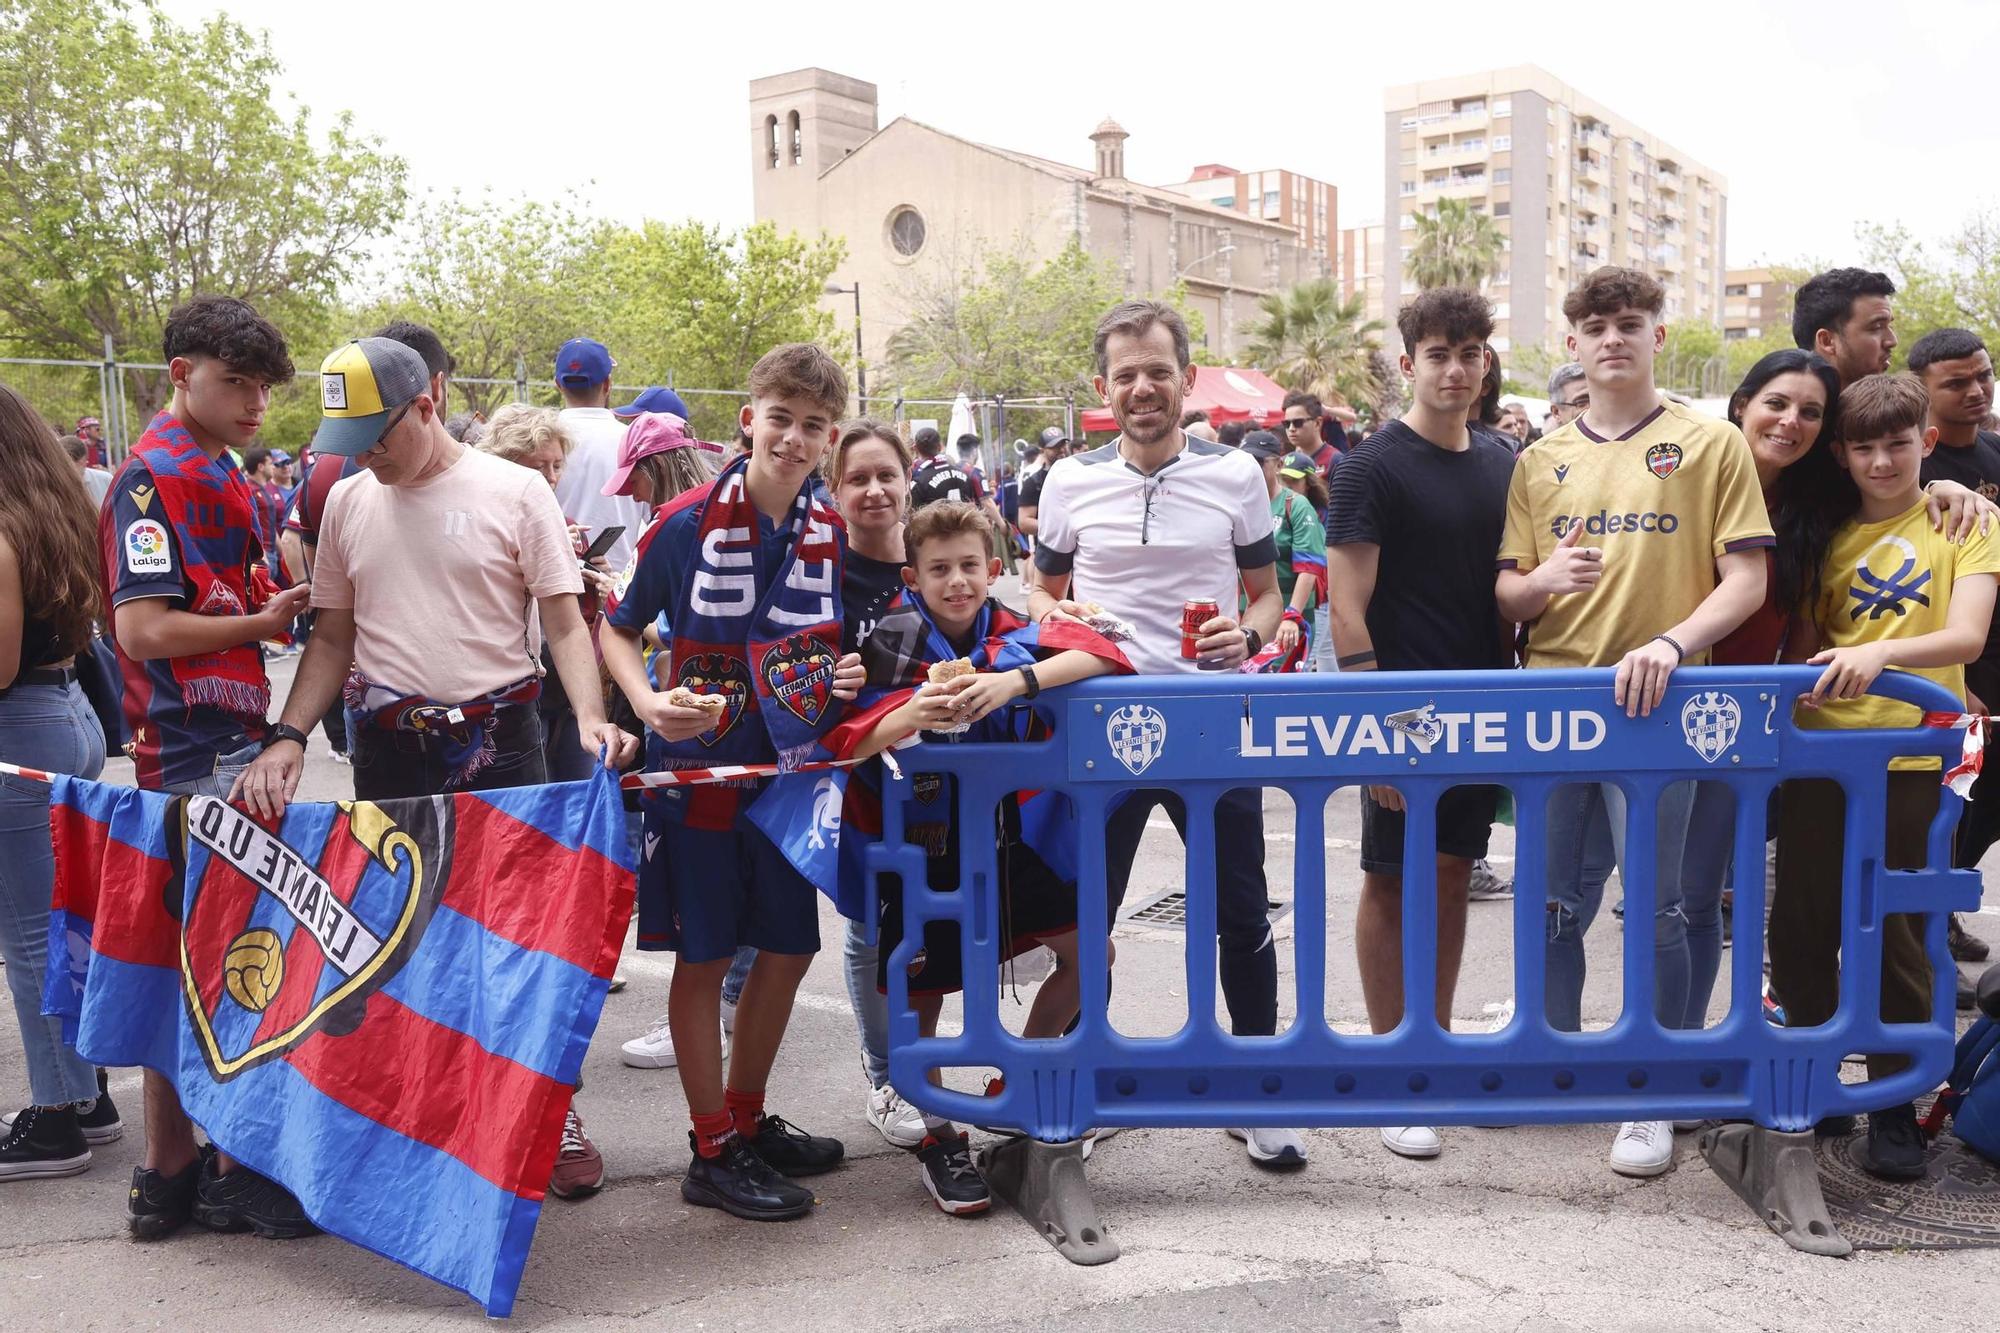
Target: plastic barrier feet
{"points": [[1045, 1184], [1775, 1173]]}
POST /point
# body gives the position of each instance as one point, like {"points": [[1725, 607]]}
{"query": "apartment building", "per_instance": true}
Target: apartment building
{"points": [[1309, 207], [1357, 265], [1755, 302], [1571, 184]]}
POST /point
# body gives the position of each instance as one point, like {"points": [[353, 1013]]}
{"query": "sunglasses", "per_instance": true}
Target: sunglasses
{"points": [[1300, 423]]}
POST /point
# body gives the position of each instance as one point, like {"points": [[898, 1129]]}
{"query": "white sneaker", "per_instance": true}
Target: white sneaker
{"points": [[1274, 1149], [895, 1119], [655, 1050], [728, 1016], [1643, 1148], [1412, 1140]]}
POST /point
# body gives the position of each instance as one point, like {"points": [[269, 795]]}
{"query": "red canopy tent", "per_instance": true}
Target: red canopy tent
{"points": [[1226, 393]]}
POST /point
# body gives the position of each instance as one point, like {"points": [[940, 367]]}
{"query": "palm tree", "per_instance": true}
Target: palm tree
{"points": [[1311, 339], [1458, 246]]}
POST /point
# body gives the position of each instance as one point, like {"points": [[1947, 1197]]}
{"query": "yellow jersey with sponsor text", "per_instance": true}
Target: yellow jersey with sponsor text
{"points": [[1892, 580], [1663, 501]]}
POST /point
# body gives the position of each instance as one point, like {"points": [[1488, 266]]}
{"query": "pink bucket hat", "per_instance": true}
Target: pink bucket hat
{"points": [[651, 433]]}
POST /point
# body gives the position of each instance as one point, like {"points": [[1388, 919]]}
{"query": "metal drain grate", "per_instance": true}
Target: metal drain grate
{"points": [[1169, 911]]}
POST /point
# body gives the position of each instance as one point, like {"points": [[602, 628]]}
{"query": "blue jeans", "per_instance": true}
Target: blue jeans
{"points": [[48, 727], [738, 973], [1575, 897], [871, 1007], [228, 767], [1322, 653], [1704, 872]]}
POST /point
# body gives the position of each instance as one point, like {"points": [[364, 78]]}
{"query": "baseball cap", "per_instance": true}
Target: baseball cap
{"points": [[81, 422], [360, 385], [1296, 465], [1262, 444], [583, 361], [651, 433], [653, 400], [1053, 435], [281, 458]]}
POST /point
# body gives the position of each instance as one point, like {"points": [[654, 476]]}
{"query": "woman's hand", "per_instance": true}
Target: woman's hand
{"points": [[1849, 672]]}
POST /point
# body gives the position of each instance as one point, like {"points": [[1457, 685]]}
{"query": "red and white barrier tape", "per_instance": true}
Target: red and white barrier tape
{"points": [[1971, 755]]}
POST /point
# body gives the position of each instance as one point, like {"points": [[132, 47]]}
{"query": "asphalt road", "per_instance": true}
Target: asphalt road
{"points": [[1510, 1228]]}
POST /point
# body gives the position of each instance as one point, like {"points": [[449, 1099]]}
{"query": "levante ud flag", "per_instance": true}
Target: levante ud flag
{"points": [[383, 1006]]}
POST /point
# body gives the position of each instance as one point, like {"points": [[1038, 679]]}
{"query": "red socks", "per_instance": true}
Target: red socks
{"points": [[711, 1130], [745, 1109]]}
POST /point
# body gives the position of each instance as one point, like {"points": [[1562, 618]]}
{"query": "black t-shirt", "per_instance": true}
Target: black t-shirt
{"points": [[867, 586], [1437, 517], [940, 481], [1977, 468]]}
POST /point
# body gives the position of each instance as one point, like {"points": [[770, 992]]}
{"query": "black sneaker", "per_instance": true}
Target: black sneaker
{"points": [[1836, 1126], [97, 1118], [791, 1151], [741, 1183], [43, 1142], [1964, 948], [1895, 1147], [157, 1205], [246, 1201], [950, 1177]]}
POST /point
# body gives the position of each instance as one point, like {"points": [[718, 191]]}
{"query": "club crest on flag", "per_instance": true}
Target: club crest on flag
{"points": [[718, 674], [279, 942], [1663, 459], [799, 672]]}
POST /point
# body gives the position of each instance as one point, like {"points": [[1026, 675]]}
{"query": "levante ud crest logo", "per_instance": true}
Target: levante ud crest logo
{"points": [[799, 672], [1663, 460], [287, 937], [718, 674]]}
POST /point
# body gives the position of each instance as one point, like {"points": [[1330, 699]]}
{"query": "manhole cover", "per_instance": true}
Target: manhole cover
{"points": [[1169, 911]]}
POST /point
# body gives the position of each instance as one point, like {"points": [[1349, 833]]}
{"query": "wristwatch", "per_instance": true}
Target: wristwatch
{"points": [[1253, 642], [1034, 684], [282, 732]]}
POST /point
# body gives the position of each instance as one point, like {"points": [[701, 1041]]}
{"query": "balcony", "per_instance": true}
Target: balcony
{"points": [[1457, 186], [1590, 167], [1455, 154]]}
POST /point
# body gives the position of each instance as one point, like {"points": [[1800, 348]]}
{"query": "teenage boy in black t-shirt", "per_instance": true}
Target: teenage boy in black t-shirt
{"points": [[1957, 373], [1418, 513]]}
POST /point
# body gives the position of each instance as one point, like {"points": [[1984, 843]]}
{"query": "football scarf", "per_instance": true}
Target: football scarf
{"points": [[465, 730], [210, 508], [772, 656], [805, 814]]}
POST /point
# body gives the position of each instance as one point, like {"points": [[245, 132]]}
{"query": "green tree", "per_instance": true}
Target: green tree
{"points": [[1457, 246], [145, 162], [1310, 338], [1953, 283]]}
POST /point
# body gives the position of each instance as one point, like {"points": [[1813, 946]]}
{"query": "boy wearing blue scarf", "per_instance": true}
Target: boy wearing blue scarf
{"points": [[746, 573]]}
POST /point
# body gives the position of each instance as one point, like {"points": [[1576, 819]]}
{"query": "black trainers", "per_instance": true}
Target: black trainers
{"points": [[950, 1177], [1895, 1147], [1965, 948], [741, 1183], [157, 1205], [43, 1142], [97, 1118], [790, 1151], [246, 1201]]}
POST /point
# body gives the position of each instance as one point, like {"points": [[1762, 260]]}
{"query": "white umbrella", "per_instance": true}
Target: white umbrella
{"points": [[962, 422]]}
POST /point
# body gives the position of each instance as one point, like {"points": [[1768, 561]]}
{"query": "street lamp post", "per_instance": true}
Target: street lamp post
{"points": [[860, 364], [1193, 264]]}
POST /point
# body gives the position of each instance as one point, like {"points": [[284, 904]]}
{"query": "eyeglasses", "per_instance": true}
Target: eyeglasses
{"points": [[1299, 423], [1576, 404]]}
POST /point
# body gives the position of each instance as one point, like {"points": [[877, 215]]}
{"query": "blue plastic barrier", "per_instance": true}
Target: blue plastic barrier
{"points": [[1310, 735]]}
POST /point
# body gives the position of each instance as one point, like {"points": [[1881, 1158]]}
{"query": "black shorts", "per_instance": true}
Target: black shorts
{"points": [[1464, 828], [1034, 903]]}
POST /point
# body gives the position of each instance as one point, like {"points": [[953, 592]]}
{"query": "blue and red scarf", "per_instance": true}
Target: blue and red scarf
{"points": [[209, 505], [772, 654], [463, 731]]}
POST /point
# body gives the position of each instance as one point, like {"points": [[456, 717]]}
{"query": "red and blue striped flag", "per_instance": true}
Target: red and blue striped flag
{"points": [[383, 1006]]}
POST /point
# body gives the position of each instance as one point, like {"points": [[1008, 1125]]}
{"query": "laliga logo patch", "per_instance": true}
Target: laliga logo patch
{"points": [[146, 548], [333, 391], [718, 674], [1663, 459], [799, 672], [1419, 724], [1138, 735], [1710, 722]]}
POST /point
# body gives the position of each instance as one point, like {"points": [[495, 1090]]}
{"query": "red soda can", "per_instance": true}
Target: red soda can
{"points": [[1195, 612]]}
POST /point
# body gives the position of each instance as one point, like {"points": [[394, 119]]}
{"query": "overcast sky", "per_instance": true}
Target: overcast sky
{"points": [[1821, 116]]}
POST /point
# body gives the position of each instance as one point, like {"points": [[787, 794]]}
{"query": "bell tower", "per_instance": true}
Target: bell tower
{"points": [[801, 123]]}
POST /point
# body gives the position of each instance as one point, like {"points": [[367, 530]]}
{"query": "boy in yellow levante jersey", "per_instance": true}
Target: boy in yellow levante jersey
{"points": [[1634, 538], [1897, 594]]}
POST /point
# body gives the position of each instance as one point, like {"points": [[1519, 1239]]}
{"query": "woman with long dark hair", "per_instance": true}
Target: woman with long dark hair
{"points": [[50, 596]]}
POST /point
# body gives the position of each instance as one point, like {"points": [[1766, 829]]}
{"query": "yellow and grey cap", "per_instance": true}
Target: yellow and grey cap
{"points": [[360, 386]]}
